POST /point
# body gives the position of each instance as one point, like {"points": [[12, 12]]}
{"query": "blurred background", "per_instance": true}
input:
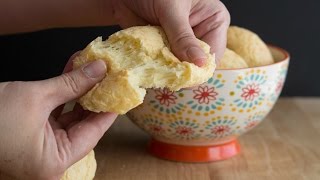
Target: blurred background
{"points": [[290, 24]]}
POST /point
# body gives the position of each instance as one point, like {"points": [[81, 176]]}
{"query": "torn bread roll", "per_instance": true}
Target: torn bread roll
{"points": [[138, 58]]}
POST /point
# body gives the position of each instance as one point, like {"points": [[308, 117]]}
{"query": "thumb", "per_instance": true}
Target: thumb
{"points": [[74, 84], [181, 37]]}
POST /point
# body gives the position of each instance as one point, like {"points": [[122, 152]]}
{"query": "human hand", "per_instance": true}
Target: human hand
{"points": [[36, 141], [182, 21]]}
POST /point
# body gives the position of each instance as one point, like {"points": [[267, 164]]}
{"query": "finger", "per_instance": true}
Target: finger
{"points": [[74, 84], [67, 118], [85, 135], [217, 40], [200, 11], [69, 66], [57, 112], [213, 30], [125, 17], [175, 22]]}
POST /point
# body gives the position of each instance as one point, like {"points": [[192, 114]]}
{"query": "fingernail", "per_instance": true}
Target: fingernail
{"points": [[95, 69], [197, 56]]}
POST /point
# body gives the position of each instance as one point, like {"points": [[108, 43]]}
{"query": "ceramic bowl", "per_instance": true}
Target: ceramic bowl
{"points": [[203, 123]]}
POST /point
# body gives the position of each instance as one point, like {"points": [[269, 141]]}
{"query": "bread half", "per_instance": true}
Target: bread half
{"points": [[138, 58]]}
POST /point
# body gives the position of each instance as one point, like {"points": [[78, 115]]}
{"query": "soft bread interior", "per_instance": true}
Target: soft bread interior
{"points": [[138, 58], [145, 70]]}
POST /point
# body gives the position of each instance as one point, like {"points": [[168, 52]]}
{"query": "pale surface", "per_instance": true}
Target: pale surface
{"points": [[286, 145]]}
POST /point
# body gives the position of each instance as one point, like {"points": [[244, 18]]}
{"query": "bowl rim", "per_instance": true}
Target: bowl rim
{"points": [[283, 51]]}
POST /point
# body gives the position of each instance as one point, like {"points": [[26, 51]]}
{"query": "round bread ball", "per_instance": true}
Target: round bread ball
{"points": [[231, 60], [85, 169], [249, 46]]}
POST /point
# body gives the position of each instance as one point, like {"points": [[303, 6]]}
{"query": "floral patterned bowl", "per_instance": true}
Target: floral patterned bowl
{"points": [[202, 124]]}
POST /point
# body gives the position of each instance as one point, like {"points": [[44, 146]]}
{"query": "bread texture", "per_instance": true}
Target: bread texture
{"points": [[231, 60], [138, 58], [249, 46], [85, 169]]}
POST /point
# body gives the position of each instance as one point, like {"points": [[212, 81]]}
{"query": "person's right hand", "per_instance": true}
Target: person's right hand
{"points": [[36, 140], [183, 21]]}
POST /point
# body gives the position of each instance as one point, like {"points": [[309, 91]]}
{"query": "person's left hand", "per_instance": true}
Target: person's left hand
{"points": [[37, 142]]}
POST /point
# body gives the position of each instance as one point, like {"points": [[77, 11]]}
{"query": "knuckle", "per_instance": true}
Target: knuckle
{"points": [[71, 83], [184, 37], [224, 14], [221, 19]]}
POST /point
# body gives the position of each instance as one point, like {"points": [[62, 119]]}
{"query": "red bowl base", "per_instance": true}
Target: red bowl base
{"points": [[184, 153]]}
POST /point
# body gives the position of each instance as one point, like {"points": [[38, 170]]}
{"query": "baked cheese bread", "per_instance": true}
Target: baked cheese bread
{"points": [[231, 60], [249, 46], [85, 169], [138, 58]]}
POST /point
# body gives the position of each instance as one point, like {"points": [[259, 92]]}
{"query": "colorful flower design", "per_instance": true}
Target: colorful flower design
{"points": [[205, 94], [250, 91], [154, 126], [220, 127], [220, 130], [165, 96], [216, 81], [276, 92], [205, 97], [280, 80], [184, 130], [279, 86], [254, 120], [166, 101]]}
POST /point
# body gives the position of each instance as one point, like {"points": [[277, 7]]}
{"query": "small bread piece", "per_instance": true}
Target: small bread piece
{"points": [[231, 60], [249, 46], [85, 169], [138, 58]]}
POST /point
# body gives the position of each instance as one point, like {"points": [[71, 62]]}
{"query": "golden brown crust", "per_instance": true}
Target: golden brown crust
{"points": [[138, 58], [84, 169], [249, 46], [231, 60], [114, 93]]}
